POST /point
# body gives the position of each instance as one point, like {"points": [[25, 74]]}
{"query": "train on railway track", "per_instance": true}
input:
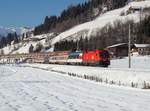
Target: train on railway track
{"points": [[87, 58]]}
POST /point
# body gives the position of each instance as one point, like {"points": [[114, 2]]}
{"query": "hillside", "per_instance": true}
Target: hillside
{"points": [[91, 28]]}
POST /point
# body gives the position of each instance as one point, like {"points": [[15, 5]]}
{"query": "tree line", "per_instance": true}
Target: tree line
{"points": [[11, 37]]}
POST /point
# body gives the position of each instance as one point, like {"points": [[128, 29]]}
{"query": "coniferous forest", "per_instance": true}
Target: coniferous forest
{"points": [[11, 37], [75, 15]]}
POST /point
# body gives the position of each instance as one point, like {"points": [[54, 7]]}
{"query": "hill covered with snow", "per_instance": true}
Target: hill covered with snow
{"points": [[92, 27]]}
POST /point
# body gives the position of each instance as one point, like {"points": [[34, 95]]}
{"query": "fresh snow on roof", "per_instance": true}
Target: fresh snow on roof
{"points": [[142, 45]]}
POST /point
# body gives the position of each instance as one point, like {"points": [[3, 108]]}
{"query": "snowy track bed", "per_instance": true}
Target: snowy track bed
{"points": [[40, 90]]}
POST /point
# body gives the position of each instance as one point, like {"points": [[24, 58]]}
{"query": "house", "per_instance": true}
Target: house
{"points": [[142, 49], [118, 50]]}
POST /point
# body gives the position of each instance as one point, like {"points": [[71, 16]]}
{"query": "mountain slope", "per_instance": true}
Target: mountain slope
{"points": [[90, 28]]}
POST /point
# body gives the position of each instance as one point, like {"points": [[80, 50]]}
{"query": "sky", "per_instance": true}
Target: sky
{"points": [[30, 13]]}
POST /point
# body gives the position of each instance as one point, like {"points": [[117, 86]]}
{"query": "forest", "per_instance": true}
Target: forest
{"points": [[75, 15]]}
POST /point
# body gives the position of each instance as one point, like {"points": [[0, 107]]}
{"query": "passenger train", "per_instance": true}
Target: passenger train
{"points": [[88, 58]]}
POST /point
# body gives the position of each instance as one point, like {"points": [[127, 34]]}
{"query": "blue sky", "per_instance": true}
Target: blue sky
{"points": [[20, 13]]}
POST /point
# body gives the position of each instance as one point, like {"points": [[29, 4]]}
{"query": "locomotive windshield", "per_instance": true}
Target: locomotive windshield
{"points": [[74, 55], [104, 54]]}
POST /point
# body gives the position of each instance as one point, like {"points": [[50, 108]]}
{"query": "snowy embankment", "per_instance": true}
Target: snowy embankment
{"points": [[117, 73], [29, 89]]}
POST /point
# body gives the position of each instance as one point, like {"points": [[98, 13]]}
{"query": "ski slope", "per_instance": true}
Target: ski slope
{"points": [[28, 89]]}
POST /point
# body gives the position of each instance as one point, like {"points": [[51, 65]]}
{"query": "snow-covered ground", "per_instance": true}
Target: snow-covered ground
{"points": [[26, 88], [22, 47], [137, 63], [117, 73]]}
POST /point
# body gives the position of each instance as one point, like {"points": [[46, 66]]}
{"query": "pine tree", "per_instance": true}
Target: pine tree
{"points": [[1, 52], [39, 47], [3, 42], [31, 49], [10, 38], [16, 40]]}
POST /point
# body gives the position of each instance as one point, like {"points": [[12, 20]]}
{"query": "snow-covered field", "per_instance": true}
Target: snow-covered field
{"points": [[117, 73], [137, 63], [30, 89]]}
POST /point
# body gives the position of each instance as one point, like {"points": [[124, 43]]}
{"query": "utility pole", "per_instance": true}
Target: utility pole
{"points": [[77, 45], [129, 46]]}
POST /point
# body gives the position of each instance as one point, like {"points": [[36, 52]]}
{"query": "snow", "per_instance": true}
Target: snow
{"points": [[5, 30], [117, 73], [25, 88], [22, 47], [142, 45], [47, 87], [141, 4], [25, 48], [137, 63], [43, 36]]}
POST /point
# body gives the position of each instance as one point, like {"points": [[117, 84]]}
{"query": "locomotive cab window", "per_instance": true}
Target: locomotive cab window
{"points": [[73, 56], [104, 54]]}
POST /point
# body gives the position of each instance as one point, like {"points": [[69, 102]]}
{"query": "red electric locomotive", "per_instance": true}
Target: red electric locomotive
{"points": [[97, 57]]}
